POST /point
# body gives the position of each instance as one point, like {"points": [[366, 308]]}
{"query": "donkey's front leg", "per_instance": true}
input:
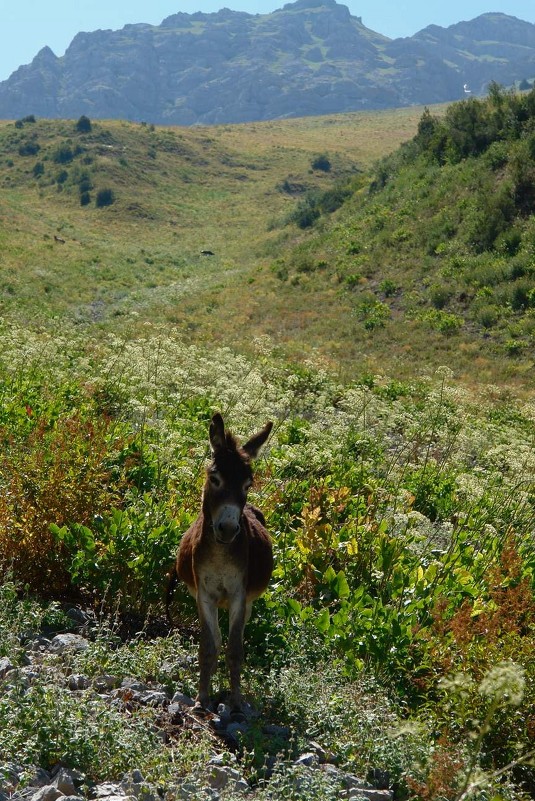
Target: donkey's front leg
{"points": [[239, 613], [209, 646]]}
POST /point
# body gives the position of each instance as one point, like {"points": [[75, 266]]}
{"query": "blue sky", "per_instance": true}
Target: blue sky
{"points": [[28, 25]]}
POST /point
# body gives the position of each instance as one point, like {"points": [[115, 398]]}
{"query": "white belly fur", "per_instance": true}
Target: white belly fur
{"points": [[220, 579]]}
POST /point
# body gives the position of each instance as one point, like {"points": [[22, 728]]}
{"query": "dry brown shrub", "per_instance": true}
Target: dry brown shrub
{"points": [[58, 474], [444, 773]]}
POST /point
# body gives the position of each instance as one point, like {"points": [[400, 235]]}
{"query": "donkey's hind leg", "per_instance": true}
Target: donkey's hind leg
{"points": [[209, 647]]}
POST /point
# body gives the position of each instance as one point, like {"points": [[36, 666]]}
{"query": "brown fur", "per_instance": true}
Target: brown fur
{"points": [[225, 558]]}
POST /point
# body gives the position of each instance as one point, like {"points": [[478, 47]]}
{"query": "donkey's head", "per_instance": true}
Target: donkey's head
{"points": [[228, 478]]}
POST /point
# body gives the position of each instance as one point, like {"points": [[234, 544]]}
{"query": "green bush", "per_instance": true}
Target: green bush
{"points": [[29, 148], [105, 197], [321, 162], [63, 154], [84, 124]]}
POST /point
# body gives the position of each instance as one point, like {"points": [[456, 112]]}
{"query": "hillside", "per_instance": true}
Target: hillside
{"points": [[310, 57], [176, 193], [436, 254], [449, 281]]}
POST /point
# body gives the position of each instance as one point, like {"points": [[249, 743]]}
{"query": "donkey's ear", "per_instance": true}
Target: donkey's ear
{"points": [[217, 432], [253, 445]]}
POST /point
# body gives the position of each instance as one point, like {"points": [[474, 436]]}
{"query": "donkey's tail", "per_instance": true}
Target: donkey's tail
{"points": [[171, 584]]}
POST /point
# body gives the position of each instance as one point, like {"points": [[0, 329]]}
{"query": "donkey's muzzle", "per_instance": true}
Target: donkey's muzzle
{"points": [[226, 523]]}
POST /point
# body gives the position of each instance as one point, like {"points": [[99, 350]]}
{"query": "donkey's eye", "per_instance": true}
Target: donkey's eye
{"points": [[215, 480]]}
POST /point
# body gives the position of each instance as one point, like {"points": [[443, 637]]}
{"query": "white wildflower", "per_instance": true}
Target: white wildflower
{"points": [[504, 683]]}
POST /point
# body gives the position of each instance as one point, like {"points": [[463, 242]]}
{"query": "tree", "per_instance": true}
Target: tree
{"points": [[321, 162], [84, 124], [105, 197]]}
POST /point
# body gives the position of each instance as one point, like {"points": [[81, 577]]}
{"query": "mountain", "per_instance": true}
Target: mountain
{"points": [[310, 57]]}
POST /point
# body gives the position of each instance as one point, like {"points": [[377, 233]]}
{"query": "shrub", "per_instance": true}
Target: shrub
{"points": [[29, 148], [85, 184], [55, 474], [321, 162], [374, 313], [440, 296], [105, 197], [85, 198], [442, 321], [84, 124], [63, 154], [488, 316], [305, 215], [388, 287], [522, 295], [38, 169]]}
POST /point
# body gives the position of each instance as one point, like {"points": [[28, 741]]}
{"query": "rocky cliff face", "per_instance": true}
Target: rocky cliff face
{"points": [[309, 57]]}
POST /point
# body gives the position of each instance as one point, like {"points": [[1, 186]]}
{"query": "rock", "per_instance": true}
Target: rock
{"points": [[224, 713], [77, 681], [175, 714], [38, 644], [111, 792], [78, 616], [6, 665], [354, 787], [68, 642], [64, 781], [133, 77], [10, 776], [153, 698], [106, 682], [323, 755], [271, 730], [40, 778], [309, 760], [181, 698], [190, 791], [47, 793], [222, 777], [237, 727], [134, 785], [134, 685], [379, 778], [370, 794]]}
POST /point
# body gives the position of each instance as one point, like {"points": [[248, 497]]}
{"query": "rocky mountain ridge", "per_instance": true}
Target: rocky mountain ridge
{"points": [[310, 57]]}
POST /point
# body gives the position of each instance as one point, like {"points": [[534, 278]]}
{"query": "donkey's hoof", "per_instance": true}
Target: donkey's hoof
{"points": [[200, 709]]}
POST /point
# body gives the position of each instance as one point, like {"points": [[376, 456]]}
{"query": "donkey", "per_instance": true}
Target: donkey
{"points": [[225, 558]]}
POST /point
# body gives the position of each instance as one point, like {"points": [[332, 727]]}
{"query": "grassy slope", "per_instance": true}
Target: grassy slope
{"points": [[436, 267], [178, 191]]}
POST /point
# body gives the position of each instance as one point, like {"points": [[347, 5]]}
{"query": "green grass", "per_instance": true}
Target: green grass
{"points": [[177, 192], [432, 262]]}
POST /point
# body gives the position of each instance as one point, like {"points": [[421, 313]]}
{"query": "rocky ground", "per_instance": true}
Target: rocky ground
{"points": [[173, 713]]}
